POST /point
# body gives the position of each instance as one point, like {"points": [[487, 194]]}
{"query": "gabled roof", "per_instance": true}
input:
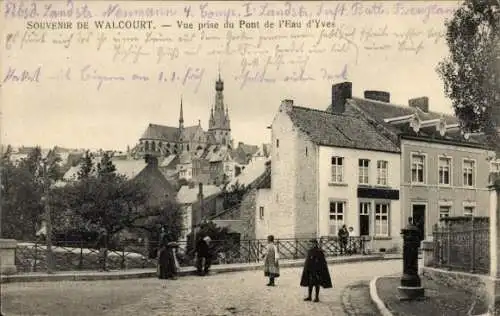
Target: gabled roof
{"points": [[379, 111], [190, 131], [129, 168], [340, 130], [161, 132], [187, 195], [253, 171]]}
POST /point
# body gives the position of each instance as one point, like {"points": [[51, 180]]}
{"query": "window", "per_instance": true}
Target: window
{"points": [[337, 169], [468, 172], [364, 218], [336, 217], [382, 172], [277, 143], [444, 170], [261, 212], [444, 211], [381, 219], [417, 168], [468, 210], [363, 170], [306, 151]]}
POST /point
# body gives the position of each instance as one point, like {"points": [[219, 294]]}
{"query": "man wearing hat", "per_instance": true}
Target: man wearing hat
{"points": [[203, 255]]}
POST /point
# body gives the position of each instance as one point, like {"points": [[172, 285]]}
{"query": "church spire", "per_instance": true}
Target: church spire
{"points": [[181, 116]]}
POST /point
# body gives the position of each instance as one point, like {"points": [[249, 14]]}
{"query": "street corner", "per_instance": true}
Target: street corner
{"points": [[439, 299], [357, 301]]}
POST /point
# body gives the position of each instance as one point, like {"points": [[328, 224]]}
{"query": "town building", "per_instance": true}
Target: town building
{"points": [[329, 169], [444, 172], [196, 155]]}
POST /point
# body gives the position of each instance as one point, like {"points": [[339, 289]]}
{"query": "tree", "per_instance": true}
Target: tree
{"points": [[233, 194], [106, 168], [86, 166], [472, 69], [22, 189]]}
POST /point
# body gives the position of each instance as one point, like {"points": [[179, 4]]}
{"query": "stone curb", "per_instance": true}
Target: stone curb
{"points": [[151, 273], [382, 308]]}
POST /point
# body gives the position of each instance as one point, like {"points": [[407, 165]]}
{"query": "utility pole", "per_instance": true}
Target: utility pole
{"points": [[48, 219]]}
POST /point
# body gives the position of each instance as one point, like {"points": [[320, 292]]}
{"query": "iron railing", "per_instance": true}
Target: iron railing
{"points": [[31, 257], [462, 246]]}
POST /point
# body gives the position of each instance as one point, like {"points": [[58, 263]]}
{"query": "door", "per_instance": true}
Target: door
{"points": [[418, 214], [364, 218]]}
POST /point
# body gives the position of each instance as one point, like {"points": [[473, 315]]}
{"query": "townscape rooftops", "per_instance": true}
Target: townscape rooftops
{"points": [[251, 173], [340, 130], [129, 168], [189, 195]]}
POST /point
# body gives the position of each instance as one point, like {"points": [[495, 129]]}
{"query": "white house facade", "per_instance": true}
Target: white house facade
{"points": [[359, 188], [331, 169]]}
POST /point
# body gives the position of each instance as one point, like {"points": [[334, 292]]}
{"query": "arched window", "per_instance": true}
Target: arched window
{"points": [[153, 146], [146, 146], [187, 147]]}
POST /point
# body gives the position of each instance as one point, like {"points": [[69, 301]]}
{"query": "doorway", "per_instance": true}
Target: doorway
{"points": [[418, 215], [364, 218]]}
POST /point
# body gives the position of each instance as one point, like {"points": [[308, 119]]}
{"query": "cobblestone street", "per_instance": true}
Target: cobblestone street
{"points": [[240, 293]]}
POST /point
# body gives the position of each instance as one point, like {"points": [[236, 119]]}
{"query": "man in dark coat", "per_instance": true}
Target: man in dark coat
{"points": [[315, 273], [343, 235], [203, 255]]}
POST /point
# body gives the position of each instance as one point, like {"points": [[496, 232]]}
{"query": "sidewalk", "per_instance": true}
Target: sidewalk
{"points": [[149, 273], [440, 299]]}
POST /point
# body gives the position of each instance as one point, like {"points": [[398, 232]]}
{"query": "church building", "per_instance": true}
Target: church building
{"points": [[200, 156]]}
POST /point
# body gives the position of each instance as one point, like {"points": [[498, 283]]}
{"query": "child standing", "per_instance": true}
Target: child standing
{"points": [[271, 257]]}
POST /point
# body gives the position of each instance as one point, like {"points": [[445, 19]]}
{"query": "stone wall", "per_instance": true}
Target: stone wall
{"points": [[475, 284], [248, 214]]}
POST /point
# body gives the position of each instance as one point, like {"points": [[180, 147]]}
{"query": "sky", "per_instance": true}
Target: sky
{"points": [[100, 88]]}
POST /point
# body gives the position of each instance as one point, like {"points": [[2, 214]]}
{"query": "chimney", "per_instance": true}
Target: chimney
{"points": [[422, 103], [286, 105], [382, 96], [340, 93]]}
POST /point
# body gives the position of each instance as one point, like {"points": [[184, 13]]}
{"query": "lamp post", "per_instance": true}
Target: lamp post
{"points": [[48, 219]]}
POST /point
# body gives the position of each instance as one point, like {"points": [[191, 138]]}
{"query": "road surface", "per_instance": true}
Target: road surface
{"points": [[239, 293]]}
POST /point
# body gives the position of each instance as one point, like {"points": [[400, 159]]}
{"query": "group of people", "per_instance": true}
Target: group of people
{"points": [[315, 273], [168, 263]]}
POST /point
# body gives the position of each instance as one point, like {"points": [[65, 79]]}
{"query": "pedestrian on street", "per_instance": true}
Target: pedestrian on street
{"points": [[271, 261], [203, 255], [343, 237], [168, 265], [315, 272], [102, 244]]}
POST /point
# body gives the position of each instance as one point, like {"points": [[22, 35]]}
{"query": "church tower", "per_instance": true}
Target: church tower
{"points": [[219, 128], [182, 136]]}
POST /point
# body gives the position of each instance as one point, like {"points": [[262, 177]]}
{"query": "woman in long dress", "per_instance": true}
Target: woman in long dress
{"points": [[271, 261], [167, 261], [315, 273]]}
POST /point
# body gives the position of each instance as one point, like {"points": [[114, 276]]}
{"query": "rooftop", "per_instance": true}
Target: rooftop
{"points": [[340, 130]]}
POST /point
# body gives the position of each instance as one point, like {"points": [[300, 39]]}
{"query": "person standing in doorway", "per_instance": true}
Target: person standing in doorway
{"points": [[315, 273], [343, 238], [271, 261]]}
